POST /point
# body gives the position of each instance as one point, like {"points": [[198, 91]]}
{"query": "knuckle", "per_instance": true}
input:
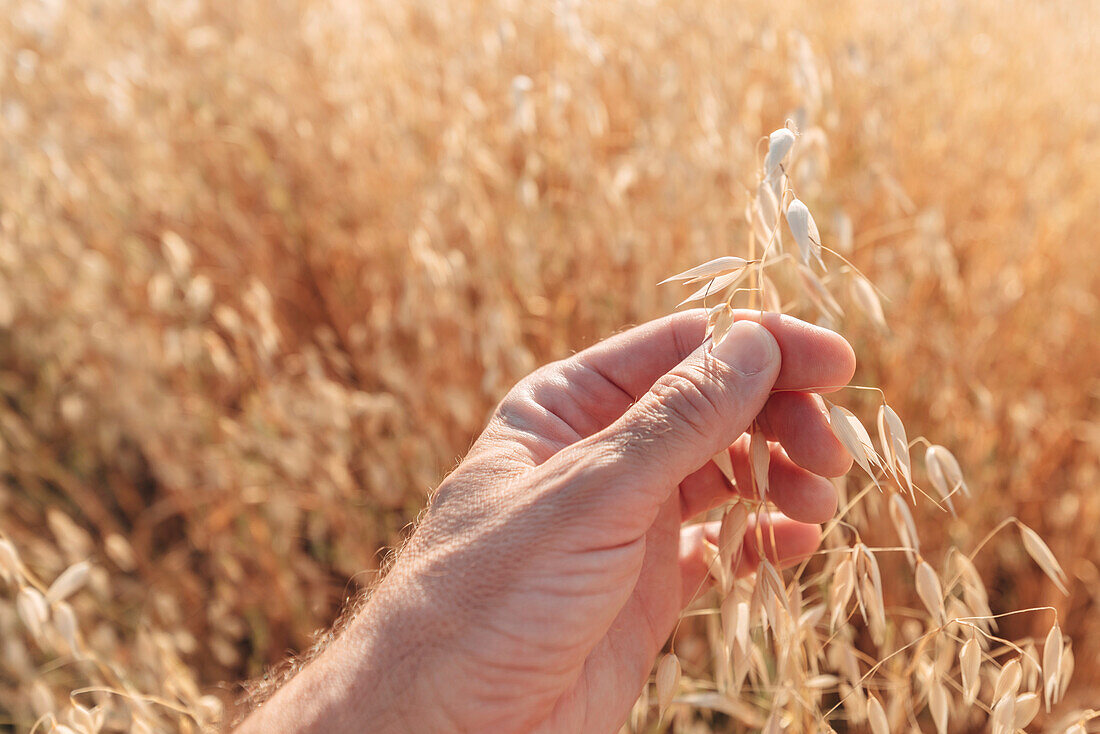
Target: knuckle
{"points": [[515, 411], [517, 406]]}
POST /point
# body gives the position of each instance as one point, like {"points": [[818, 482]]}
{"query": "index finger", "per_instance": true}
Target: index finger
{"points": [[814, 359]]}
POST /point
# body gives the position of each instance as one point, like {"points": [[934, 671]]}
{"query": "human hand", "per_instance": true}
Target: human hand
{"points": [[551, 565]]}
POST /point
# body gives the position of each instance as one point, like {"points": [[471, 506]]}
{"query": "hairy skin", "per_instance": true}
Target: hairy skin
{"points": [[552, 564]]}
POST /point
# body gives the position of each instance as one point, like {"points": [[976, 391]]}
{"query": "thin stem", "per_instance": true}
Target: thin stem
{"points": [[155, 700]]}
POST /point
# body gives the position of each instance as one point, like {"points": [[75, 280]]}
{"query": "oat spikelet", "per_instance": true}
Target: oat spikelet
{"points": [[710, 559], [742, 624], [904, 523], [1052, 664], [973, 590], [780, 143], [1029, 660], [9, 558], [82, 718], [773, 580], [1065, 672], [773, 596], [930, 591], [844, 582], [819, 682], [854, 437], [970, 660], [895, 445], [64, 621], [668, 681], [69, 582], [1004, 715], [761, 459], [870, 592], [945, 474], [1027, 705], [1008, 682], [708, 270], [938, 706], [722, 461], [719, 320], [33, 610], [1042, 555], [731, 534], [727, 613], [804, 230], [876, 716], [715, 288]]}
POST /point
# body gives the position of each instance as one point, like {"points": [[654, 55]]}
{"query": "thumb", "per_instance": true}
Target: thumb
{"points": [[698, 408]]}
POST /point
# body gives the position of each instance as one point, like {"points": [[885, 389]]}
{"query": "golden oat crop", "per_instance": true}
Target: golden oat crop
{"points": [[266, 267], [789, 654]]}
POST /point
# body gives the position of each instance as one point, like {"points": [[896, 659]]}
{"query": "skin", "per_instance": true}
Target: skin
{"points": [[551, 566]]}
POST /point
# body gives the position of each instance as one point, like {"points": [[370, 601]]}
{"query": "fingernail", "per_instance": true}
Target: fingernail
{"points": [[748, 348]]}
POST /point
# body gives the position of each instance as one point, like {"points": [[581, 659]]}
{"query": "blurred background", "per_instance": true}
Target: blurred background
{"points": [[265, 268]]}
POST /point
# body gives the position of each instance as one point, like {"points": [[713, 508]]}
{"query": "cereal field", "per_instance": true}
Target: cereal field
{"points": [[265, 269]]}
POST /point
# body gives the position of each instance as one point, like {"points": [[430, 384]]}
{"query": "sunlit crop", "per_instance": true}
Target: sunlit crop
{"points": [[265, 268]]}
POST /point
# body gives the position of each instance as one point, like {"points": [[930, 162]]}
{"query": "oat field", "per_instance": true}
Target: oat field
{"points": [[266, 267]]}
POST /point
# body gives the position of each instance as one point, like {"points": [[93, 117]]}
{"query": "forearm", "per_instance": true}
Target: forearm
{"points": [[390, 669], [371, 678]]}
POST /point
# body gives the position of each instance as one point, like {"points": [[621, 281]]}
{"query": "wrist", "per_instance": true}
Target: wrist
{"points": [[380, 674], [396, 664]]}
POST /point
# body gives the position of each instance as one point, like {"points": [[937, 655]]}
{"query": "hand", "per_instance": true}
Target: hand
{"points": [[551, 567]]}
